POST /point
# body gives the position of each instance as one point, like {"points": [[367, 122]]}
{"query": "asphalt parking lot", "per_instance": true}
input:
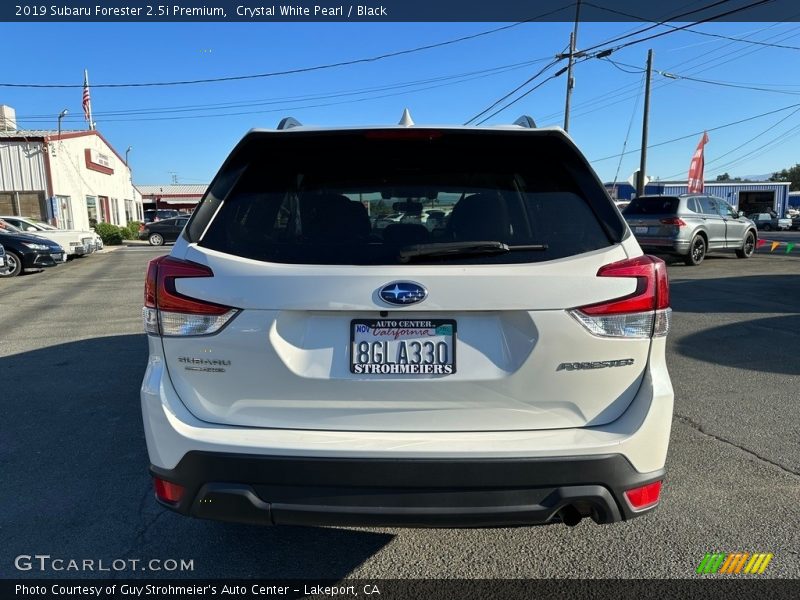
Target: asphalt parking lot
{"points": [[74, 462]]}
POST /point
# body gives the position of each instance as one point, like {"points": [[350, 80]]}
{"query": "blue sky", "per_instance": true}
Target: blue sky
{"points": [[603, 102]]}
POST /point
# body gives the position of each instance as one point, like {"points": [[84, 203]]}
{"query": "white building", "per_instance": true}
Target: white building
{"points": [[72, 179]]}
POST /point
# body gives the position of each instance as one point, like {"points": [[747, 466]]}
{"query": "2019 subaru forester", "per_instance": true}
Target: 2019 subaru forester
{"points": [[504, 367]]}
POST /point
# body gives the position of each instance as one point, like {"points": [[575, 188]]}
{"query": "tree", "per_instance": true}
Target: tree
{"points": [[791, 174], [726, 177]]}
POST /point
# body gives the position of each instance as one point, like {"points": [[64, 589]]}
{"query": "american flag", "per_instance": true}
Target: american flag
{"points": [[87, 100]]}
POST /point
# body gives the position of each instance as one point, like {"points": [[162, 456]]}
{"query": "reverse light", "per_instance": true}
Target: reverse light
{"points": [[644, 313], [169, 313], [166, 491], [643, 497], [678, 222]]}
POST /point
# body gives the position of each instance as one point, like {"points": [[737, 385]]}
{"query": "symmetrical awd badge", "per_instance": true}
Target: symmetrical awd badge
{"points": [[403, 292]]}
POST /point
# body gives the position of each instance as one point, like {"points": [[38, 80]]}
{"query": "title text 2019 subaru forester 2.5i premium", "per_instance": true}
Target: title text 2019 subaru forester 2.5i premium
{"points": [[503, 368]]}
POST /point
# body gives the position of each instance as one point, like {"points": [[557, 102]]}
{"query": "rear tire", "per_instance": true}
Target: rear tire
{"points": [[748, 247], [697, 251], [14, 260], [156, 239]]}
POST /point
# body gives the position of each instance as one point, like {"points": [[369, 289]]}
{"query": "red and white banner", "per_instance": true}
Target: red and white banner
{"points": [[697, 166]]}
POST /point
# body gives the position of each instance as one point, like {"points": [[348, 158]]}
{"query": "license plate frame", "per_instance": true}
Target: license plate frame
{"points": [[435, 328]]}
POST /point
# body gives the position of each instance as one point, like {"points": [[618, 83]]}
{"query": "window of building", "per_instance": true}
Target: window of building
{"points": [[65, 220], [91, 210], [129, 216]]}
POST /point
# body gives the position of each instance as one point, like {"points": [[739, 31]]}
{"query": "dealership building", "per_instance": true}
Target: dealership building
{"points": [[71, 179], [747, 196], [176, 196]]}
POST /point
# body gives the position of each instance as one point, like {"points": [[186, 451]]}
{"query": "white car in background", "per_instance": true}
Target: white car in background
{"points": [[75, 242], [507, 368]]}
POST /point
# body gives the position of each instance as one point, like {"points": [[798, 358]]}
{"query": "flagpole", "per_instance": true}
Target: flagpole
{"points": [[86, 82]]}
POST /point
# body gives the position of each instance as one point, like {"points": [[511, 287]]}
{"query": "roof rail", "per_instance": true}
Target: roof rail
{"points": [[526, 121], [288, 123]]}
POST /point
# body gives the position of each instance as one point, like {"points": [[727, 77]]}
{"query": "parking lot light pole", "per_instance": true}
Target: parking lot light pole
{"points": [[61, 115], [126, 154]]}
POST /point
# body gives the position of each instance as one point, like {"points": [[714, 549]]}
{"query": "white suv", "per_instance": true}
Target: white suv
{"points": [[505, 368]]}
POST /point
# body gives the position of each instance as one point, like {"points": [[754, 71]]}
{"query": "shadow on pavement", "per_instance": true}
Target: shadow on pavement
{"points": [[76, 486], [764, 345], [746, 294]]}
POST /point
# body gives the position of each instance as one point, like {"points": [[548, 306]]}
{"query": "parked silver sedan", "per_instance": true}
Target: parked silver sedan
{"points": [[690, 226]]}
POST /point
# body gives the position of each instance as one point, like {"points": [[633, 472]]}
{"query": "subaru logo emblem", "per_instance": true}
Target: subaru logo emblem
{"points": [[403, 292]]}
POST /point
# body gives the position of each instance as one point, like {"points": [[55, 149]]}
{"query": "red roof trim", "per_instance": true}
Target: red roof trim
{"points": [[172, 195], [77, 134]]}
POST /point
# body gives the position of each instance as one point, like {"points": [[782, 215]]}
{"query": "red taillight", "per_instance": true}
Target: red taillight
{"points": [[643, 497], [674, 221], [169, 313], [160, 292], [652, 287], [151, 282], [167, 491]]}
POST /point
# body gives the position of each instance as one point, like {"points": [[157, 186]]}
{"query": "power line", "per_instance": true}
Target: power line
{"points": [[517, 99], [775, 142], [514, 91], [678, 76], [585, 55], [286, 108], [649, 27], [452, 79], [607, 51], [689, 135], [629, 92], [752, 139], [704, 33], [628, 134], [292, 71]]}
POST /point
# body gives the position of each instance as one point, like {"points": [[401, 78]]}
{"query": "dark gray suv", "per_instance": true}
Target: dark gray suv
{"points": [[690, 226]]}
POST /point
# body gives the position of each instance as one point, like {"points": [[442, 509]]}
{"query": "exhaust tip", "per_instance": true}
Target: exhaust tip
{"points": [[570, 516]]}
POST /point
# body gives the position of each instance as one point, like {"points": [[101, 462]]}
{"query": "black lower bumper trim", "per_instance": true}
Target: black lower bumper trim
{"points": [[403, 492]]}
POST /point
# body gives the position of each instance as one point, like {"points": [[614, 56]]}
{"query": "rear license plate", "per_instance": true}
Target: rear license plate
{"points": [[640, 229], [403, 346]]}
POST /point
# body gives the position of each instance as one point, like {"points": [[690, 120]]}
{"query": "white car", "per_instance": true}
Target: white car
{"points": [[75, 242], [506, 369]]}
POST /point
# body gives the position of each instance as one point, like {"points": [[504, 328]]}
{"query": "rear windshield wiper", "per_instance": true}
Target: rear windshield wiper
{"points": [[463, 249]]}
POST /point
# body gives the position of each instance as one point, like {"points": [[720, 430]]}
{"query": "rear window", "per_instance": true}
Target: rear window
{"points": [[360, 199], [660, 205]]}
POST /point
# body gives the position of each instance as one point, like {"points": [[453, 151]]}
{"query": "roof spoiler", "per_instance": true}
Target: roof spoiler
{"points": [[288, 123], [526, 121]]}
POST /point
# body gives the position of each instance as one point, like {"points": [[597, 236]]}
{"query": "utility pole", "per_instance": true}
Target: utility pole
{"points": [[573, 40], [645, 120]]}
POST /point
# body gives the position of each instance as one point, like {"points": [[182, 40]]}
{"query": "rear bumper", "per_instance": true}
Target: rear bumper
{"points": [[269, 476], [664, 245], [271, 490]]}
